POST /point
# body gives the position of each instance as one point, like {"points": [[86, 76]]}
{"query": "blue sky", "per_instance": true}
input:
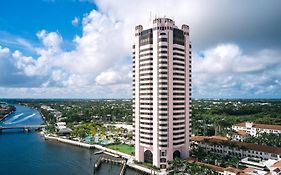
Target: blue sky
{"points": [[82, 49], [21, 19]]}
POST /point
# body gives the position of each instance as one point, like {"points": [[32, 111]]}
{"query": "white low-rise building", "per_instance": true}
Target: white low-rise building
{"points": [[62, 129], [254, 129], [257, 164], [60, 125]]}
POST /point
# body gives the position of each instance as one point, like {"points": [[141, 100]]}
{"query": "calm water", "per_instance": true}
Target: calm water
{"points": [[29, 154]]}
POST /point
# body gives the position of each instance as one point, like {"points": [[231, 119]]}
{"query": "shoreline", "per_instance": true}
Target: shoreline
{"points": [[130, 159], [5, 116], [89, 146]]}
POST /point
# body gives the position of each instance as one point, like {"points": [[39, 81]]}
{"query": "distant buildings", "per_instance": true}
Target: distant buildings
{"points": [[162, 92], [57, 114], [3, 105], [254, 129]]}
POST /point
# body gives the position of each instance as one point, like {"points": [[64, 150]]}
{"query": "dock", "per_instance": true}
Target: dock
{"points": [[114, 161]]}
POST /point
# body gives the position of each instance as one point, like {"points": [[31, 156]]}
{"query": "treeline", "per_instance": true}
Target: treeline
{"points": [[100, 110], [209, 117], [215, 117], [270, 108], [266, 139], [86, 110]]}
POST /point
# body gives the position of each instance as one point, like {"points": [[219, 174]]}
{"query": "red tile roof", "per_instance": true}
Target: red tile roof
{"points": [[233, 170], [277, 164], [211, 138], [213, 167], [247, 146], [221, 169]]}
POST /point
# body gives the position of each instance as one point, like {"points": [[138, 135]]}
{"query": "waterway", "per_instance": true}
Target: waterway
{"points": [[27, 153]]}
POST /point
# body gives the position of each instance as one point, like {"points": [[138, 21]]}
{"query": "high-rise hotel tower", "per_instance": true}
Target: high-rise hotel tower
{"points": [[162, 92]]}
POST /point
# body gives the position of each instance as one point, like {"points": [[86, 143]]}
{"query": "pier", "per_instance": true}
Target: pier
{"points": [[106, 159], [23, 127]]}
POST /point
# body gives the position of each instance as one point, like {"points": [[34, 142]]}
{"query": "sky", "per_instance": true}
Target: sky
{"points": [[82, 48]]}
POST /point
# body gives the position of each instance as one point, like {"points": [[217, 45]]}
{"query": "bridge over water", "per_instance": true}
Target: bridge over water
{"points": [[23, 127]]}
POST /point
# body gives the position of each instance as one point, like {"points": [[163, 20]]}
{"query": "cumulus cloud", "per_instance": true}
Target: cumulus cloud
{"points": [[227, 71], [10, 75], [120, 76], [100, 60], [97, 52], [51, 41], [211, 22]]}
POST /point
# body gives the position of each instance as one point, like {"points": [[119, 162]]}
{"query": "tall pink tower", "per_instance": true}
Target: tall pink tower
{"points": [[162, 92]]}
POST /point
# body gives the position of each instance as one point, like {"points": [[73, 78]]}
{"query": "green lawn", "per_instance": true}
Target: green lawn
{"points": [[124, 148]]}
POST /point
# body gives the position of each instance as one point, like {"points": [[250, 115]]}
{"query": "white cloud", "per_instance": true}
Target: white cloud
{"points": [[75, 21], [226, 70], [117, 76], [109, 77], [100, 59], [27, 64], [51, 41], [97, 52]]}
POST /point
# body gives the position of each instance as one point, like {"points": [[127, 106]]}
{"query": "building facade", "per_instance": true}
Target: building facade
{"points": [[238, 149], [162, 92], [254, 129]]}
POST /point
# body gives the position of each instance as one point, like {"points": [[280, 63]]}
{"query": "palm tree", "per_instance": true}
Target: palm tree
{"points": [[176, 164], [195, 169]]}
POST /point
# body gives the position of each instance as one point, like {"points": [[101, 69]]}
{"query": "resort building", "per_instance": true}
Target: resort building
{"points": [[162, 92], [254, 129], [240, 149]]}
